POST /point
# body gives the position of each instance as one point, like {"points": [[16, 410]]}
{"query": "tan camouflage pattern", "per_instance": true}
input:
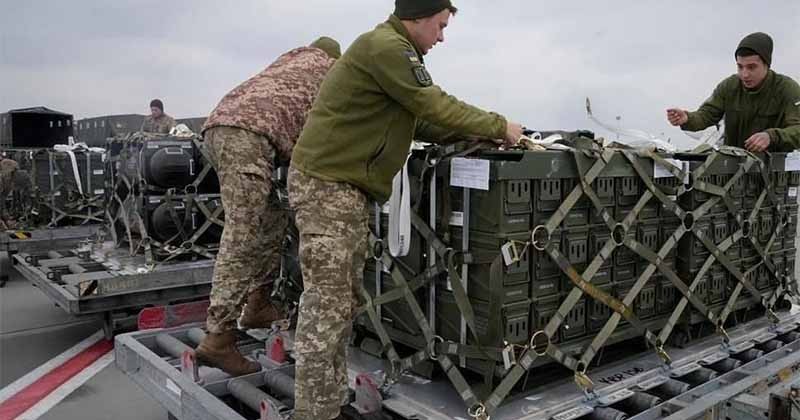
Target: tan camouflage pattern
{"points": [[160, 125], [8, 170], [255, 223], [275, 102], [332, 221]]}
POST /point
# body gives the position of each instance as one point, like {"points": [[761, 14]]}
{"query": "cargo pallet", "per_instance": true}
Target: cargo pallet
{"points": [[752, 377], [39, 240], [111, 285]]}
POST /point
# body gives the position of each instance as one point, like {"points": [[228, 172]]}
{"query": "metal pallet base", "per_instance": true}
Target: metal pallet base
{"points": [[161, 362], [39, 240], [113, 287]]}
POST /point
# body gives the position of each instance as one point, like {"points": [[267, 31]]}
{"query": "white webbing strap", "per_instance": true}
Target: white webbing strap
{"points": [[70, 150], [400, 214]]}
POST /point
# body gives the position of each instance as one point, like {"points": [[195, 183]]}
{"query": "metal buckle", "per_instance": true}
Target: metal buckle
{"points": [[663, 355], [532, 344], [478, 411], [535, 242], [432, 347], [585, 383]]}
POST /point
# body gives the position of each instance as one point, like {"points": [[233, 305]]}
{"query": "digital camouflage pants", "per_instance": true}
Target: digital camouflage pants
{"points": [[255, 225], [332, 222]]}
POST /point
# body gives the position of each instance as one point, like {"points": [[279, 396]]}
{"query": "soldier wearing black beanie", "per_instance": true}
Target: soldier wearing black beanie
{"points": [[417, 9], [760, 107]]}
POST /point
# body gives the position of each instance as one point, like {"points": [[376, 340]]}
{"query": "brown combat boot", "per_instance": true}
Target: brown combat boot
{"points": [[259, 312], [219, 350]]}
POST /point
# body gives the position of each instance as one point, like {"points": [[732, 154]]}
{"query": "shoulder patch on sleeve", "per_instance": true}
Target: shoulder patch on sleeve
{"points": [[412, 57], [422, 76]]}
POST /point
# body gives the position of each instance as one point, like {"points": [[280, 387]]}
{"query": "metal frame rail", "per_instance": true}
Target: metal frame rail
{"points": [[40, 240], [84, 287], [711, 380]]}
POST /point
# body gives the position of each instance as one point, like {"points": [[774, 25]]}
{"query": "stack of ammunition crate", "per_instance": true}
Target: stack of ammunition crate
{"points": [[163, 195], [527, 190]]}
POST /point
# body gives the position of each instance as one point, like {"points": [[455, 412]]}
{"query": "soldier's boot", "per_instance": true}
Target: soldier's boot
{"points": [[259, 312], [219, 350]]}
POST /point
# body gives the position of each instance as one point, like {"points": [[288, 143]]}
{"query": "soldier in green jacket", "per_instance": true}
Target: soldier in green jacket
{"points": [[761, 107], [374, 101]]}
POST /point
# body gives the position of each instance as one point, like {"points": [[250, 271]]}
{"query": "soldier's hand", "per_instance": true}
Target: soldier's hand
{"points": [[513, 134], [758, 142], [677, 117]]}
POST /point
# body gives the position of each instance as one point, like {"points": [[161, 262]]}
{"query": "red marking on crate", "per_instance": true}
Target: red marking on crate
{"points": [[172, 315], [42, 387]]}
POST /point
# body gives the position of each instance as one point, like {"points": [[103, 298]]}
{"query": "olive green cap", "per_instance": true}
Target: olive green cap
{"points": [[329, 45]]}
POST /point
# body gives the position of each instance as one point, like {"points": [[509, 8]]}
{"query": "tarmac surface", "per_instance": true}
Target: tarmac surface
{"points": [[33, 331]]}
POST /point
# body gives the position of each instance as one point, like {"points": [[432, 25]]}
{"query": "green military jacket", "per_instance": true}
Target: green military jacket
{"points": [[773, 108], [374, 101]]}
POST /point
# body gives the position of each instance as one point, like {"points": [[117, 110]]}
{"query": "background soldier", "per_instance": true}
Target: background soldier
{"points": [[358, 135], [254, 125], [761, 108], [157, 122], [8, 170]]}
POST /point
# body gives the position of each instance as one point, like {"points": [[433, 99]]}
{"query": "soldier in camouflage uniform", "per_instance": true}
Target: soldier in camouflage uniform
{"points": [[252, 128], [8, 170], [376, 98], [157, 122]]}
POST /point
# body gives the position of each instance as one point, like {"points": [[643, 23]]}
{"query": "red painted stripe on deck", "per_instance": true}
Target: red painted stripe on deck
{"points": [[42, 387]]}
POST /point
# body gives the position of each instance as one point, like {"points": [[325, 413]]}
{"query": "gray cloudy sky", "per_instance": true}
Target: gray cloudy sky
{"points": [[531, 60]]}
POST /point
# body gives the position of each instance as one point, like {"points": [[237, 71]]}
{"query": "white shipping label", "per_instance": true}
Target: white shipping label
{"points": [[469, 173], [98, 192], [662, 172], [98, 172], [792, 161], [792, 191], [457, 218]]}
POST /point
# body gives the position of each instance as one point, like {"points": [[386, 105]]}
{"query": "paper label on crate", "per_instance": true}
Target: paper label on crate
{"points": [[98, 172], [792, 161], [457, 218], [792, 191], [173, 387], [57, 194], [509, 252], [469, 173], [100, 191], [662, 172]]}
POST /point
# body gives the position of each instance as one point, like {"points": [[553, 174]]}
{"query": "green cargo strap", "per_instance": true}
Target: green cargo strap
{"points": [[456, 284]]}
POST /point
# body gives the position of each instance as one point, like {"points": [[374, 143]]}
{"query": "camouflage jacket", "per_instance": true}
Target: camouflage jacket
{"points": [[160, 125], [7, 169], [275, 102]]}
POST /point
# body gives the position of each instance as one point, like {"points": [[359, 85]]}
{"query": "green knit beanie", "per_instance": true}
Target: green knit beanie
{"points": [[417, 9], [329, 45], [759, 42]]}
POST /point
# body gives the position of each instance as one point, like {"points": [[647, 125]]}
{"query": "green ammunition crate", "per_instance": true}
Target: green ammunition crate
{"points": [[396, 314], [598, 313], [574, 325], [667, 296], [513, 321], [514, 282], [542, 312], [644, 305], [505, 208]]}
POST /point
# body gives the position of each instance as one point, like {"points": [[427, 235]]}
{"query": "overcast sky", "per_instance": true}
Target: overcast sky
{"points": [[531, 60]]}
